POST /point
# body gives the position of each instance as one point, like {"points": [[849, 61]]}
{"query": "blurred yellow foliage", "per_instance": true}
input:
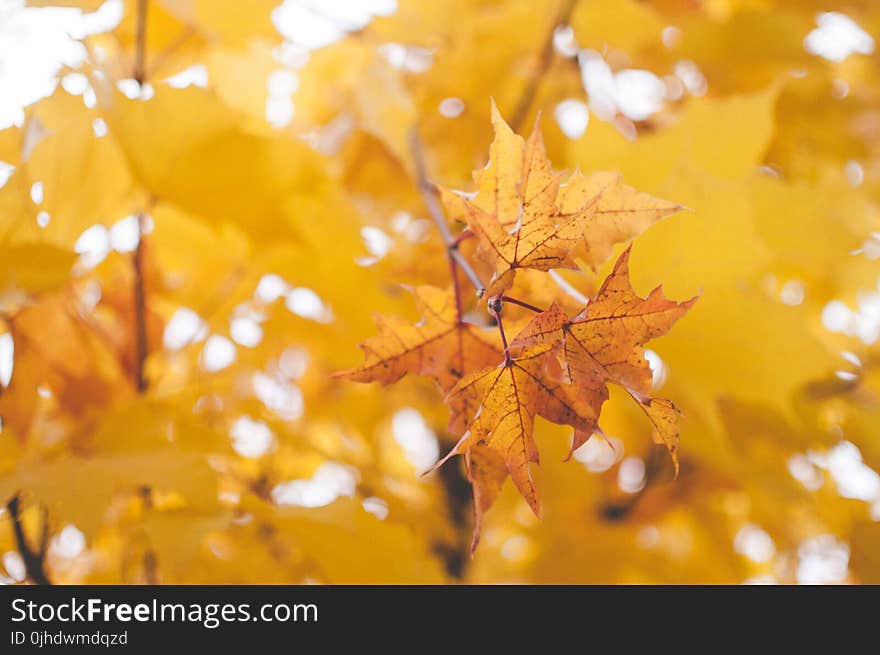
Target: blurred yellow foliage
{"points": [[227, 238]]}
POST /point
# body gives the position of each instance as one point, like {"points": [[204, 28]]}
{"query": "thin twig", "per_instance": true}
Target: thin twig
{"points": [[465, 266], [464, 236], [515, 301], [140, 310], [140, 50], [34, 561], [426, 189], [545, 58], [44, 533], [453, 272], [495, 306]]}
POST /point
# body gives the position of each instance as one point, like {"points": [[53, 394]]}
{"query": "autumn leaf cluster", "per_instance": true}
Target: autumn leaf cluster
{"points": [[556, 367]]}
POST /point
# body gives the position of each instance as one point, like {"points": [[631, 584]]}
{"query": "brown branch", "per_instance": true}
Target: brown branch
{"points": [[464, 236], [458, 495], [453, 272], [428, 192], [140, 310], [140, 51], [545, 58], [495, 305], [454, 483], [34, 560], [521, 303], [44, 533]]}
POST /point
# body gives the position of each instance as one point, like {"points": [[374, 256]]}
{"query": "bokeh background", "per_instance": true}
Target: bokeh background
{"points": [[202, 203]]}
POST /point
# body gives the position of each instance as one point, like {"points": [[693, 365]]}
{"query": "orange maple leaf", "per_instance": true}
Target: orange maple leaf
{"points": [[604, 343], [503, 402], [442, 346]]}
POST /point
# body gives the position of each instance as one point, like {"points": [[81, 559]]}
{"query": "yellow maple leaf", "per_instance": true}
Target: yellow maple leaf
{"points": [[525, 218]]}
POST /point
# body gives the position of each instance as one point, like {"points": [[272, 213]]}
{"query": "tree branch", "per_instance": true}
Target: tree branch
{"points": [[140, 49], [458, 496], [545, 58], [453, 272], [427, 190], [455, 484], [140, 310], [34, 560], [515, 301]]}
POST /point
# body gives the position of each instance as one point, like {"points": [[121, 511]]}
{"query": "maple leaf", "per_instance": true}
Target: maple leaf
{"points": [[524, 217], [621, 212], [604, 343], [514, 212], [506, 400], [442, 346]]}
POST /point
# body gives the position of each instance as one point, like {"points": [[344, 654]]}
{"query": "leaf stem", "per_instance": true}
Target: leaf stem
{"points": [[428, 192], [34, 561], [515, 301], [464, 236], [495, 306]]}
